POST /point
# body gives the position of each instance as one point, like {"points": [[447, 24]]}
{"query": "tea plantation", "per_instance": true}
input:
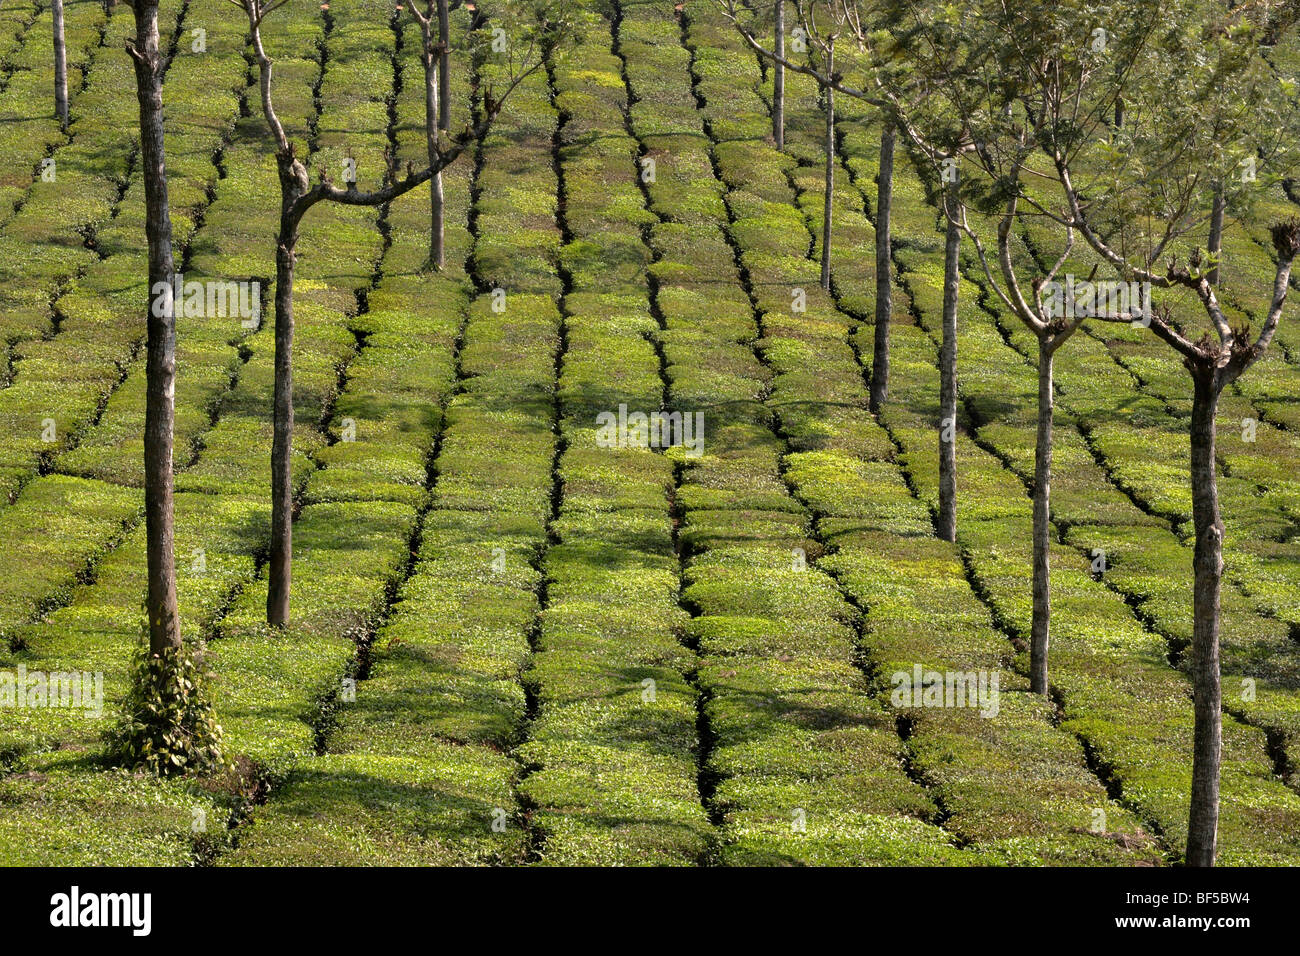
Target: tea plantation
{"points": [[512, 644]]}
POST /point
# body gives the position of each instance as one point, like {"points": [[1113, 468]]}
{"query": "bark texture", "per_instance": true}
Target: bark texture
{"points": [[434, 115], [1042, 548], [778, 78], [444, 67], [947, 524], [1207, 747], [829, 146], [280, 566], [884, 258], [160, 358], [60, 67], [1214, 244]]}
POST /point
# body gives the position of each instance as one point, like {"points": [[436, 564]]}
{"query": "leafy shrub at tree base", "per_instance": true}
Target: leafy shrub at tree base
{"points": [[167, 725]]}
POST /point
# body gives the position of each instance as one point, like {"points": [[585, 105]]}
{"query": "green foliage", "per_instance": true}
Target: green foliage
{"points": [[168, 725], [500, 649], [366, 809], [62, 812]]}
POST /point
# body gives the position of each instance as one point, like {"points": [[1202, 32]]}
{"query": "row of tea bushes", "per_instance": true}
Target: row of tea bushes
{"points": [[220, 530], [1117, 690], [413, 769], [612, 749], [866, 519]]}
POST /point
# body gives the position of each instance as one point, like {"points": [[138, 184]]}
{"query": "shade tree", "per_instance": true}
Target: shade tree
{"points": [[167, 723], [536, 27], [996, 87], [435, 57], [821, 24], [1208, 127], [1156, 113]]}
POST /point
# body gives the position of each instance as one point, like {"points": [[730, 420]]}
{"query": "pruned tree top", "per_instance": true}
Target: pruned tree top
{"points": [[1027, 96], [550, 21]]}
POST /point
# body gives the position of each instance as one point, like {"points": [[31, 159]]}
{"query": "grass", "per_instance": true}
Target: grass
{"points": [[63, 815]]}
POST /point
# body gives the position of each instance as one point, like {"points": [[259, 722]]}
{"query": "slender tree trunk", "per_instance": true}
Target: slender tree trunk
{"points": [[1203, 818], [948, 382], [1042, 611], [1119, 112], [297, 195], [884, 258], [432, 99], [160, 348], [280, 567], [444, 69], [830, 172], [437, 226], [60, 68], [1215, 243], [778, 78]]}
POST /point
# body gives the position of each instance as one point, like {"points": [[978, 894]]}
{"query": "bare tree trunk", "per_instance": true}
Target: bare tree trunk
{"points": [[1215, 243], [297, 195], [444, 71], [884, 257], [437, 226], [778, 78], [1042, 610], [280, 568], [948, 380], [160, 359], [60, 68], [829, 93], [1203, 817], [432, 100], [1119, 112]]}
